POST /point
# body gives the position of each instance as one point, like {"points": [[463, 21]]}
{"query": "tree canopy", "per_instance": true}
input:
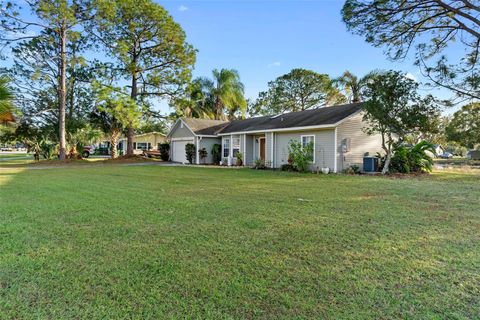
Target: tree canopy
{"points": [[148, 47], [220, 97], [394, 109], [429, 28], [297, 90], [464, 126]]}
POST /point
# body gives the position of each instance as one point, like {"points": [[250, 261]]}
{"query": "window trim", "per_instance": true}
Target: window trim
{"points": [[224, 149], [233, 146], [309, 135], [141, 143]]}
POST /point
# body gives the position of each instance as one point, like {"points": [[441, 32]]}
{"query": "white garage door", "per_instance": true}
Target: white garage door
{"points": [[178, 151]]}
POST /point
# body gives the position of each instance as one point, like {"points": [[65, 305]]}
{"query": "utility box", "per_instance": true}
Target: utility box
{"points": [[370, 164]]}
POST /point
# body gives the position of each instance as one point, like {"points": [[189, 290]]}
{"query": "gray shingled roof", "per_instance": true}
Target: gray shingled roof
{"points": [[307, 118], [204, 126], [314, 117]]}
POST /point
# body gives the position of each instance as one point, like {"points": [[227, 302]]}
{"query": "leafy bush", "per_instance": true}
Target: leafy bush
{"points": [[190, 152], [239, 156], [47, 149], [411, 159], [258, 164], [164, 149], [216, 153], [457, 150], [300, 156], [287, 167], [202, 153], [353, 169]]}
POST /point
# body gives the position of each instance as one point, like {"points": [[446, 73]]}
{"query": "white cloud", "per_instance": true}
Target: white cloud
{"points": [[274, 64], [182, 8], [411, 76]]}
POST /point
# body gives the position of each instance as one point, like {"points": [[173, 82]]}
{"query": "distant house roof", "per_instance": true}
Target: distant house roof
{"points": [[204, 126], [307, 118]]}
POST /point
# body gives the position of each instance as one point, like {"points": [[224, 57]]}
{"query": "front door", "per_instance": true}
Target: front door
{"points": [[262, 149]]}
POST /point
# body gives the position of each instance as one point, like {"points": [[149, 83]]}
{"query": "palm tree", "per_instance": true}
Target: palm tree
{"points": [[221, 97], [226, 92], [110, 126], [196, 103], [352, 85], [6, 101]]}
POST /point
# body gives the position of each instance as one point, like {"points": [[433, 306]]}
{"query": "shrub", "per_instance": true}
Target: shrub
{"points": [[239, 156], [47, 149], [353, 169], [190, 152], [216, 153], [300, 156], [411, 159], [202, 153], [260, 164], [288, 167], [164, 149]]}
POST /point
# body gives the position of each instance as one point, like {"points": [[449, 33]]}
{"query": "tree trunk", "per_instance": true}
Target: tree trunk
{"points": [[130, 136], [113, 143], [62, 92], [218, 109], [130, 130], [387, 162]]}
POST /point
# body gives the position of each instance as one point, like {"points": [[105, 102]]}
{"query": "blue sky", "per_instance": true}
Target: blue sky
{"points": [[265, 39]]}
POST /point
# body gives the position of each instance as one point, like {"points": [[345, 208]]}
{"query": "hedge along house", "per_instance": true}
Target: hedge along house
{"points": [[336, 133]]}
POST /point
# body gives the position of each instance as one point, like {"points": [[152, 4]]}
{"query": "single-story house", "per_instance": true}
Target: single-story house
{"points": [[144, 141], [336, 132]]}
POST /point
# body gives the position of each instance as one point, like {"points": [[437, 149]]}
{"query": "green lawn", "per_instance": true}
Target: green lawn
{"points": [[152, 242]]}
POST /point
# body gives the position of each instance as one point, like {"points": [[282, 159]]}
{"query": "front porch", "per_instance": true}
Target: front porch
{"points": [[252, 147]]}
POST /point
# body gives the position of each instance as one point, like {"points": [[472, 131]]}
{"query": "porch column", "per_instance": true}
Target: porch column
{"points": [[244, 150], [230, 151], [335, 151], [197, 145]]}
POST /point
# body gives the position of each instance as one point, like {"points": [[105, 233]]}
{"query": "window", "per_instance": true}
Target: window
{"points": [[142, 146], [235, 146], [226, 147], [306, 140]]}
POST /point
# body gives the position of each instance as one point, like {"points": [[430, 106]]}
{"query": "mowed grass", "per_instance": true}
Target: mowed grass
{"points": [[153, 242]]}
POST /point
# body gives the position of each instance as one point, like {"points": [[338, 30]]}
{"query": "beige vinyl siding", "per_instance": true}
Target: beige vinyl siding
{"points": [[153, 138], [208, 143], [324, 146], [180, 132], [360, 142]]}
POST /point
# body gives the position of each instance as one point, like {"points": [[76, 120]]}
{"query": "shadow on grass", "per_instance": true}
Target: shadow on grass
{"points": [[183, 242]]}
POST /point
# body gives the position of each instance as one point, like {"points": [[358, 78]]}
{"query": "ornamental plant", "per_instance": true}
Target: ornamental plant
{"points": [[301, 156]]}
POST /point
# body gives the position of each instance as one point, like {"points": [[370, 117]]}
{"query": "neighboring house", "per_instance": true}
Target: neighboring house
{"points": [[145, 141], [336, 132]]}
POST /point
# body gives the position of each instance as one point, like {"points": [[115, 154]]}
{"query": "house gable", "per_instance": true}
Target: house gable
{"points": [[180, 130]]}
